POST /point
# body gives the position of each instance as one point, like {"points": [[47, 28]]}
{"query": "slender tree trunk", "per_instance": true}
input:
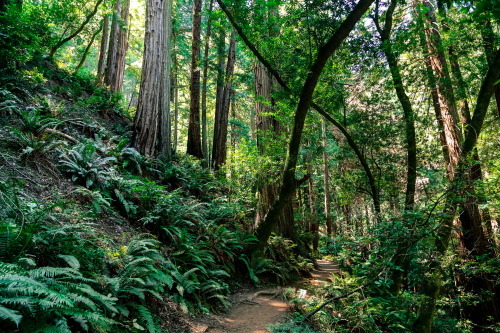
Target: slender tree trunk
{"points": [[233, 125], [219, 94], [222, 117], [411, 143], [146, 125], [118, 73], [102, 52], [86, 52], [194, 137], [165, 131], [204, 86], [313, 221], [330, 228], [77, 31], [113, 45], [176, 93], [489, 47]]}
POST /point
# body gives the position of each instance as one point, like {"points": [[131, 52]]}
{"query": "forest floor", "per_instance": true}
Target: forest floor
{"points": [[253, 309]]}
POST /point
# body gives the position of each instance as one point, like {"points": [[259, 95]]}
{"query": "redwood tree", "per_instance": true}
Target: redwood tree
{"points": [[194, 137]]}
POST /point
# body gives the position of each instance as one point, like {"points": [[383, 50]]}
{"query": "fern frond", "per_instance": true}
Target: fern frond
{"points": [[9, 314]]}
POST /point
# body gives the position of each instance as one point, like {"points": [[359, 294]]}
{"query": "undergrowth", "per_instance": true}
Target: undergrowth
{"points": [[60, 268]]}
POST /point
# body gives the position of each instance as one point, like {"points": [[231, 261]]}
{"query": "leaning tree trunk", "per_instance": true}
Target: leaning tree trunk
{"points": [[86, 51], [489, 46], [102, 52], [194, 138], [146, 125], [204, 86], [113, 45], [118, 72], [63, 41], [222, 114]]}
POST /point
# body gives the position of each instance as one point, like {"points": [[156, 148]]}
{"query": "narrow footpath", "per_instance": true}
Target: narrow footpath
{"points": [[252, 311]]}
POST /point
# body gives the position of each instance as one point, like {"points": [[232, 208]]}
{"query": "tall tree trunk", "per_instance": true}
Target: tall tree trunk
{"points": [[219, 93], [86, 51], [222, 117], [265, 126], [473, 236], [176, 92], [330, 228], [121, 49], [165, 132], [102, 52], [146, 125], [432, 285], [113, 44], [476, 240], [194, 137], [411, 143], [204, 86], [445, 108]]}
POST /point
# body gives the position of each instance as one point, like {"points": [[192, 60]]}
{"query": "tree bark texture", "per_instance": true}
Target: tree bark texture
{"points": [[204, 85], [104, 45], [176, 93], [165, 130], [222, 117], [121, 49], [473, 236], [113, 44], [476, 240], [219, 93], [432, 284], [148, 113], [266, 125], [194, 137]]}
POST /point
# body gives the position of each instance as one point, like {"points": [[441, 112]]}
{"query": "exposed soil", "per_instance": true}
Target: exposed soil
{"points": [[252, 310]]}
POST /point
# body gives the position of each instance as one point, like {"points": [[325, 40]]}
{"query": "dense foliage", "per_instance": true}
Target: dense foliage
{"points": [[392, 172]]}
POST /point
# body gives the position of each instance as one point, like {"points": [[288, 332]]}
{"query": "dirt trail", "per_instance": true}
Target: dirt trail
{"points": [[252, 311]]}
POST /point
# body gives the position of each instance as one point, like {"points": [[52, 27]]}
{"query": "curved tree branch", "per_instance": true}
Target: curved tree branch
{"points": [[74, 34], [355, 13]]}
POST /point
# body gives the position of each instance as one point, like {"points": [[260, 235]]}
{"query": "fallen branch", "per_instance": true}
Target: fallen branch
{"points": [[64, 135]]}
